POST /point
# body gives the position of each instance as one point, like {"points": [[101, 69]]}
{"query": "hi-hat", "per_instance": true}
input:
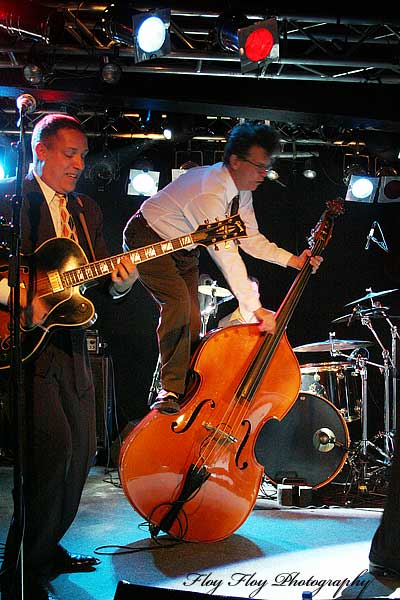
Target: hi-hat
{"points": [[370, 296], [213, 290], [373, 313], [327, 345]]}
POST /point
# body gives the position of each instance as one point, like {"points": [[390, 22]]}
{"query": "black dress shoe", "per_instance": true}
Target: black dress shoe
{"points": [[380, 570], [65, 562]]}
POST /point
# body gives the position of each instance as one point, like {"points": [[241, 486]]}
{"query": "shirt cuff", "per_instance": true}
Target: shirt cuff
{"points": [[116, 294], [4, 291]]}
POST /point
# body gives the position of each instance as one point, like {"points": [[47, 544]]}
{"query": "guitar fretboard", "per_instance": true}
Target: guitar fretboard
{"points": [[107, 265]]}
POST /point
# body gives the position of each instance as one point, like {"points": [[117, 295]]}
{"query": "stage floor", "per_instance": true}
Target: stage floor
{"points": [[276, 554]]}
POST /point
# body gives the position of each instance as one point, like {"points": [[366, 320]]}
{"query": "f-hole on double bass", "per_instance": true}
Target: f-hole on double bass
{"points": [[195, 476]]}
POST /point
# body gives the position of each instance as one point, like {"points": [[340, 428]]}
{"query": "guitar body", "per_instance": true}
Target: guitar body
{"points": [[57, 271], [66, 308]]}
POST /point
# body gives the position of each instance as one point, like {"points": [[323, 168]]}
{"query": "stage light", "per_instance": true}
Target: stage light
{"points": [[143, 179], [102, 170], [33, 74], [258, 44], [309, 170], [146, 31], [362, 189], [110, 72], [389, 190], [272, 174], [151, 34], [225, 33]]}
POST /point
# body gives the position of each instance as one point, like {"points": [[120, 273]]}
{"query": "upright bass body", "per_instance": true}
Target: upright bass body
{"points": [[195, 475]]}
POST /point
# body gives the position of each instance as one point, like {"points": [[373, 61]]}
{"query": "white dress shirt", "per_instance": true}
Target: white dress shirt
{"points": [[206, 193]]}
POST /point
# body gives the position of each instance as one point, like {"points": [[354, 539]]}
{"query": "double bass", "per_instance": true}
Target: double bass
{"points": [[194, 476]]}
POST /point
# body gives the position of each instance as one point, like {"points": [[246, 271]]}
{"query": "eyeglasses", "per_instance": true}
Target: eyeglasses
{"points": [[258, 166]]}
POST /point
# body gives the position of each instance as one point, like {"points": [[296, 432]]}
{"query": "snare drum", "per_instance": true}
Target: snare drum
{"points": [[339, 382]]}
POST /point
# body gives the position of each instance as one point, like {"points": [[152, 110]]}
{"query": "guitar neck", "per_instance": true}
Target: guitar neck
{"points": [[99, 268]]}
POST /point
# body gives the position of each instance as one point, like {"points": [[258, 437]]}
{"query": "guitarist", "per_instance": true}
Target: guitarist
{"points": [[202, 193], [59, 393]]}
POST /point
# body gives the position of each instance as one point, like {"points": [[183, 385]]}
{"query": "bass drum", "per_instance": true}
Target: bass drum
{"points": [[311, 443]]}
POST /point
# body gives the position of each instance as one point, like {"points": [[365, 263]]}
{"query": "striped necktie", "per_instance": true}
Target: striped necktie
{"points": [[68, 229]]}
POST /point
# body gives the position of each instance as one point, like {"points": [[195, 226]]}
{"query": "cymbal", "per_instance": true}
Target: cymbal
{"points": [[327, 345], [370, 296], [213, 290], [373, 312]]}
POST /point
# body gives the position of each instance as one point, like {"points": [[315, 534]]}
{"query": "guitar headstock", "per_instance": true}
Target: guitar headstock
{"points": [[231, 228], [322, 232]]}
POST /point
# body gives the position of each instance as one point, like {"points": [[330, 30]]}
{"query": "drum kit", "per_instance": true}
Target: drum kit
{"points": [[313, 442]]}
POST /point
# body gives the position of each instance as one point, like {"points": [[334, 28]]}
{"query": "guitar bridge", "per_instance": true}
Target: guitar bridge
{"points": [[55, 281]]}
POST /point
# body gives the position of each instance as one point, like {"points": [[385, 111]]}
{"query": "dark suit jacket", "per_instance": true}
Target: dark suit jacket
{"points": [[36, 228]]}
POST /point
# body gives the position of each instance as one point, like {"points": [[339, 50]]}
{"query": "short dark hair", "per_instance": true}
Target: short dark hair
{"points": [[48, 126], [245, 135]]}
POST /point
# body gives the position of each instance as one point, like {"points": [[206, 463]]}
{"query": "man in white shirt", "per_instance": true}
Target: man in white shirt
{"points": [[200, 194]]}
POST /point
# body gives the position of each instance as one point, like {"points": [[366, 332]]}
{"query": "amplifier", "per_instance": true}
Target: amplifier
{"points": [[103, 379], [95, 343]]}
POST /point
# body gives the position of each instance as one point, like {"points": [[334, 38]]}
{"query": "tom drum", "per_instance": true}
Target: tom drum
{"points": [[338, 382], [310, 443]]}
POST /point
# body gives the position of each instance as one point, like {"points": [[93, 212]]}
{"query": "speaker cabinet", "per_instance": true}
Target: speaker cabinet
{"points": [[103, 379], [130, 591]]}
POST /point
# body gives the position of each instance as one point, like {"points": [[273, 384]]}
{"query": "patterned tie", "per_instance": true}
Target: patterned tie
{"points": [[67, 223]]}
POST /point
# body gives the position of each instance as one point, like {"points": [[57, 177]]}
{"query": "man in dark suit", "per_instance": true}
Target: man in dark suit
{"points": [[60, 438]]}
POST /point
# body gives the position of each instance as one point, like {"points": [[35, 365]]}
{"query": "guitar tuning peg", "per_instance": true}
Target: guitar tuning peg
{"points": [[206, 221], [216, 247]]}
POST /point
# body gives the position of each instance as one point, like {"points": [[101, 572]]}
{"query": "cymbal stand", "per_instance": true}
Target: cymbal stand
{"points": [[395, 337], [387, 365], [209, 310], [362, 474]]}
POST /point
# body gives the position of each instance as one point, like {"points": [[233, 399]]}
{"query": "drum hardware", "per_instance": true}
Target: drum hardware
{"points": [[311, 443], [215, 291], [371, 295], [338, 382], [333, 345], [214, 296], [358, 313], [155, 382]]}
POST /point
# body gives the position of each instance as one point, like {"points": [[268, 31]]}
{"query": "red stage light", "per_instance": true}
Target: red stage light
{"points": [[259, 44]]}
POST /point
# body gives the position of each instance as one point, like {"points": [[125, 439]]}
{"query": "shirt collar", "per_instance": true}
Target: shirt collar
{"points": [[48, 192], [231, 190]]}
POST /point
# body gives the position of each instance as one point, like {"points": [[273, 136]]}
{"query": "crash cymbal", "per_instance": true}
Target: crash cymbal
{"points": [[213, 290], [327, 345], [370, 296], [373, 313]]}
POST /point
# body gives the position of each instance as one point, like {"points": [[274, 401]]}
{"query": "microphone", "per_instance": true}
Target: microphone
{"points": [[370, 235], [26, 104]]}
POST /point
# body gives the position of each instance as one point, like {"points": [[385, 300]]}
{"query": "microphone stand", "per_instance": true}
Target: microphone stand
{"points": [[16, 377]]}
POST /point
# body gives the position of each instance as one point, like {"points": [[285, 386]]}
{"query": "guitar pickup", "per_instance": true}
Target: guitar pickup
{"points": [[55, 281]]}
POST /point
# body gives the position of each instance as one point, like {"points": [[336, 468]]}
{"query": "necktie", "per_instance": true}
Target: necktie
{"points": [[67, 223], [235, 205]]}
